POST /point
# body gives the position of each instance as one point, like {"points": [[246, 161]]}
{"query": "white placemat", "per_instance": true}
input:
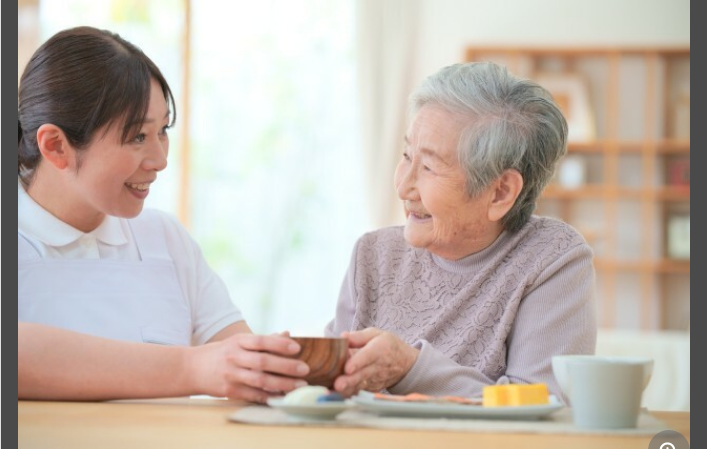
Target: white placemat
{"points": [[559, 423]]}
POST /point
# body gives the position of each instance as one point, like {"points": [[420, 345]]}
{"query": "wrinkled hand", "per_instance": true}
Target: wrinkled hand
{"points": [[246, 366], [378, 359]]}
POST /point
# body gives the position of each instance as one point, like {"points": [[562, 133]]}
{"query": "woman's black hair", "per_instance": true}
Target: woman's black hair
{"points": [[81, 80]]}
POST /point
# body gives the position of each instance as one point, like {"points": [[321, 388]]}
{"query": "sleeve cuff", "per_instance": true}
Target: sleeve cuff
{"points": [[412, 378], [435, 374], [216, 327]]}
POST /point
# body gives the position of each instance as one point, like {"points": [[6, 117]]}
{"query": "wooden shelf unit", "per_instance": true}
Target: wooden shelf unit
{"points": [[639, 104]]}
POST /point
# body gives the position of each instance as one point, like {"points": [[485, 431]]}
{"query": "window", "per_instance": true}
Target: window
{"points": [[277, 185], [276, 189]]}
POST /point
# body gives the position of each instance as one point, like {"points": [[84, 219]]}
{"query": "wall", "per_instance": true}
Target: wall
{"points": [[27, 33], [447, 26]]}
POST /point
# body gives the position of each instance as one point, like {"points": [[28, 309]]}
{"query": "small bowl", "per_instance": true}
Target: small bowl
{"points": [[311, 412], [325, 357]]}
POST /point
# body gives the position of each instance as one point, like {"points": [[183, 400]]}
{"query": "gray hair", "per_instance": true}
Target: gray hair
{"points": [[513, 123]]}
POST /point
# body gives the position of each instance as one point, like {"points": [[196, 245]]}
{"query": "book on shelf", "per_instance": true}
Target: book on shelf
{"points": [[679, 172]]}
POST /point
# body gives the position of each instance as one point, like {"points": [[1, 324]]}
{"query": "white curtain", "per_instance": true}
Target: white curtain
{"points": [[386, 41], [669, 387], [27, 33]]}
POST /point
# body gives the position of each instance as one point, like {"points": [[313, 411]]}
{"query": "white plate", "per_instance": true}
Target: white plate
{"points": [[365, 401], [320, 411]]}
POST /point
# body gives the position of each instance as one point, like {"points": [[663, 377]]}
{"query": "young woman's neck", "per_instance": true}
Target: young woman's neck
{"points": [[50, 190]]}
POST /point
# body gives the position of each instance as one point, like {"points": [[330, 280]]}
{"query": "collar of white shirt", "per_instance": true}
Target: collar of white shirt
{"points": [[37, 222]]}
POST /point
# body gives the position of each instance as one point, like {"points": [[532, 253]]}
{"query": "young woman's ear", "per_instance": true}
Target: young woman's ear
{"points": [[54, 146], [507, 189]]}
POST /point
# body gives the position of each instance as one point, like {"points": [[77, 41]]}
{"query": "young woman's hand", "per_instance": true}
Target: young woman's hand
{"points": [[246, 366]]}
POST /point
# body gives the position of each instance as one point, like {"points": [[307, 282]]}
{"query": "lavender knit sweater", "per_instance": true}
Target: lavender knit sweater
{"points": [[494, 317]]}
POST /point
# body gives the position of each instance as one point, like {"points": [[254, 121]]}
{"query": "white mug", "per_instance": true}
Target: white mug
{"points": [[604, 392]]}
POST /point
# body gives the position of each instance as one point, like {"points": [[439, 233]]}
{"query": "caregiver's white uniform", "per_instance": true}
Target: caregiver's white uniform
{"points": [[142, 279]]}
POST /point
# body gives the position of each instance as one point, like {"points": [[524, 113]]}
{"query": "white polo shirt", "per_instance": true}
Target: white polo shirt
{"points": [[39, 232]]}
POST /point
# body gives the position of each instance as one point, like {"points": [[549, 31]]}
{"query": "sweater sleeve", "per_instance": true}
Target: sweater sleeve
{"points": [[435, 374], [557, 316], [346, 306]]}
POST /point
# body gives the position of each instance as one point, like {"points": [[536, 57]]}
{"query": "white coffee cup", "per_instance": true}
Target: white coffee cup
{"points": [[604, 392]]}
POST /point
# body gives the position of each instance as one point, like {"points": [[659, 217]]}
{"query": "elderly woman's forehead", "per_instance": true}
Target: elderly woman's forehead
{"points": [[437, 122], [445, 115]]}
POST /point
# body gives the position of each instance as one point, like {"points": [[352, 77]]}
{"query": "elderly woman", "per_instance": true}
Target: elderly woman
{"points": [[473, 290]]}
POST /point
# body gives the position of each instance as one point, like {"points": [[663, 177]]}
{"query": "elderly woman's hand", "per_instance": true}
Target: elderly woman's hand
{"points": [[379, 360], [246, 366]]}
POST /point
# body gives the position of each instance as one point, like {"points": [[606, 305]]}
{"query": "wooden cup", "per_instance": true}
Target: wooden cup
{"points": [[325, 356]]}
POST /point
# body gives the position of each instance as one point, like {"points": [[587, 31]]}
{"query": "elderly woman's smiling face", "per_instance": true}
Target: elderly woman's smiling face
{"points": [[441, 216]]}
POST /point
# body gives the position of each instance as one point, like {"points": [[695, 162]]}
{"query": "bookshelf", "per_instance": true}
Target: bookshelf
{"points": [[624, 183]]}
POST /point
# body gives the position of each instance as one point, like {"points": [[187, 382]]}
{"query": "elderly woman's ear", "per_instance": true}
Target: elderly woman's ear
{"points": [[506, 189]]}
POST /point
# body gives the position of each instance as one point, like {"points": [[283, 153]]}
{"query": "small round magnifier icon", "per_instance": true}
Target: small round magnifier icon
{"points": [[675, 440]]}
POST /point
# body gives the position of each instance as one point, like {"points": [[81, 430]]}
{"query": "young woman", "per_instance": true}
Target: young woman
{"points": [[115, 301]]}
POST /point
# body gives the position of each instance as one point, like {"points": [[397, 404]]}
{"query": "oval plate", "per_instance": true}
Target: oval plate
{"points": [[365, 400]]}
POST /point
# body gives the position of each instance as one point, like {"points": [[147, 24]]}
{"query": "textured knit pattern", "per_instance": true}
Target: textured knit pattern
{"points": [[496, 316]]}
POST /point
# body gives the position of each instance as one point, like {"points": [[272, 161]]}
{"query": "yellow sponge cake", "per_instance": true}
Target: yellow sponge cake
{"points": [[514, 395]]}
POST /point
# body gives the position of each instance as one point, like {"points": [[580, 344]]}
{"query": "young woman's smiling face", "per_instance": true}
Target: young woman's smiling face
{"points": [[112, 177], [441, 217]]}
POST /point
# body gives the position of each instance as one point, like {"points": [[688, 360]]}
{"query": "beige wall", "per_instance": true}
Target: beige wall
{"points": [[27, 32], [447, 26]]}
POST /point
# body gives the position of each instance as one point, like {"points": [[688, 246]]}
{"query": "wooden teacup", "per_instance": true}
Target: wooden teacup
{"points": [[325, 356]]}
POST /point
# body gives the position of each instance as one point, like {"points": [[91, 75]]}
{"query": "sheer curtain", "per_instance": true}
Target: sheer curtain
{"points": [[278, 197], [387, 44]]}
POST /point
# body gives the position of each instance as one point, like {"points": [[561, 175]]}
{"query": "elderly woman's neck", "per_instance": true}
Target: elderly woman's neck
{"points": [[476, 241]]}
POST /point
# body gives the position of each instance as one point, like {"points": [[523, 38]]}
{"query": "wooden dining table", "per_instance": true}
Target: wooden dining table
{"points": [[203, 423]]}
